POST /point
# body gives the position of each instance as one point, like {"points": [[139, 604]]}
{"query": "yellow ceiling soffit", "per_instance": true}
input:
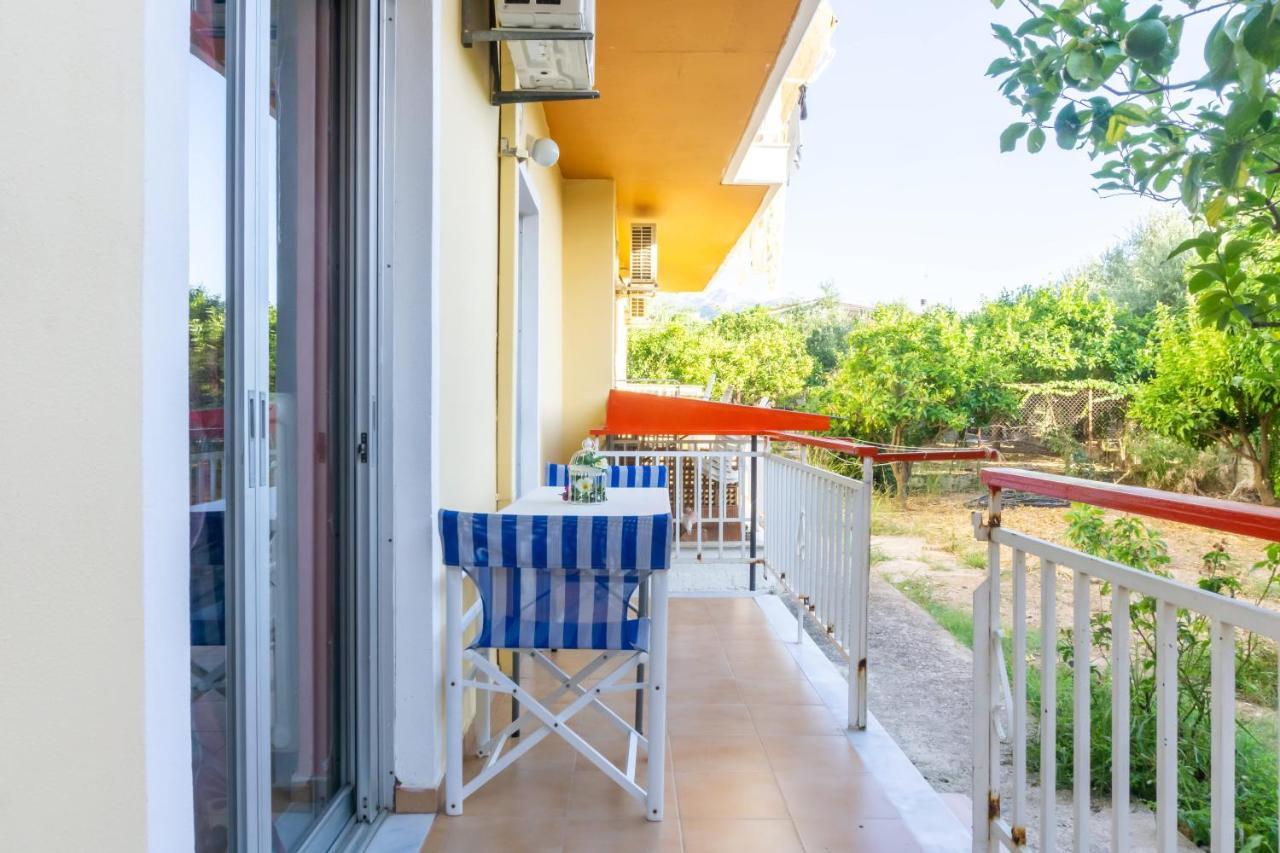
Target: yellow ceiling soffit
{"points": [[681, 84]]}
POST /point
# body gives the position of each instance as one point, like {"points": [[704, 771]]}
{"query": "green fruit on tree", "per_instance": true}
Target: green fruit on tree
{"points": [[1146, 39]]}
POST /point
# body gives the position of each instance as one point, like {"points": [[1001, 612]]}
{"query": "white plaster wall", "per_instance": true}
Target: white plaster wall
{"points": [[94, 676], [418, 578]]}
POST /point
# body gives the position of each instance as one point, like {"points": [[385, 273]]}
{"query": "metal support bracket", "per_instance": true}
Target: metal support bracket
{"points": [[478, 28]]}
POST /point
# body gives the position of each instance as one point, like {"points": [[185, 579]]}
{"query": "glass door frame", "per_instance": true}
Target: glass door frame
{"points": [[364, 602]]}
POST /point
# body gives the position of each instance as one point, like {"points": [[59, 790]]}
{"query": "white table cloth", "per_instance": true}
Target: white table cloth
{"points": [[549, 500]]}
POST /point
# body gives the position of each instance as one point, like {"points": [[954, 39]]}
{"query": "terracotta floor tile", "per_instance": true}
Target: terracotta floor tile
{"points": [[702, 691], [759, 631], [814, 754], [729, 609], [740, 836], [765, 668], [614, 748], [777, 691], [623, 836], [719, 754], [691, 639], [837, 834], [552, 752], [710, 720], [713, 665], [795, 720], [593, 796], [771, 649], [472, 833], [730, 795], [818, 796], [521, 792]]}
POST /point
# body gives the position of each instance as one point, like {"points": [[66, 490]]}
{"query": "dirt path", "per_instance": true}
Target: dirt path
{"points": [[920, 683]]}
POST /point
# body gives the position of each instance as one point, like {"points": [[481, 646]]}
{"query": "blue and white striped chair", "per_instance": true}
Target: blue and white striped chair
{"points": [[620, 476], [555, 582]]}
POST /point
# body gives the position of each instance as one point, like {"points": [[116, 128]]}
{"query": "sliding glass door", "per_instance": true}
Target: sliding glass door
{"points": [[272, 557], [300, 176]]}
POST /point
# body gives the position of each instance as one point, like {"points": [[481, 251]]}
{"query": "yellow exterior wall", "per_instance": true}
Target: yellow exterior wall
{"points": [[468, 270], [519, 123], [590, 271]]}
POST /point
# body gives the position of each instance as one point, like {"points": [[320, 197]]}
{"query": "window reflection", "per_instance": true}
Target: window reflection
{"points": [[207, 330], [302, 157]]}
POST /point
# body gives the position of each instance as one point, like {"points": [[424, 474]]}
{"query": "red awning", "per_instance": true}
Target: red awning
{"points": [[635, 413]]}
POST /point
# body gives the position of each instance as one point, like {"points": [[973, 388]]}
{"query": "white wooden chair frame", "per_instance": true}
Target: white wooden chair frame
{"points": [[487, 679]]}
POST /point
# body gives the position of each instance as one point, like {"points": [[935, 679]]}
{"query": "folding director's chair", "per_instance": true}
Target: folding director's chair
{"points": [[620, 476], [555, 582]]}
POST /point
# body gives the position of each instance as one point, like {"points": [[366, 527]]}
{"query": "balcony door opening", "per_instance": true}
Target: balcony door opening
{"points": [[528, 432], [276, 299]]}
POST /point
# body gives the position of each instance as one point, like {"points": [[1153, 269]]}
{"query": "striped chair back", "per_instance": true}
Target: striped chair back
{"points": [[638, 476], [620, 476], [557, 582]]}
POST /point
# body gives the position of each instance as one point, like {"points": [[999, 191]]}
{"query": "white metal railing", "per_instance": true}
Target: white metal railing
{"points": [[710, 481], [819, 530], [1001, 717], [206, 475]]}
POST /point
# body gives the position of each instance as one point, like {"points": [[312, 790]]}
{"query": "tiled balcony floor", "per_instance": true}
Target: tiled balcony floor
{"points": [[756, 762]]}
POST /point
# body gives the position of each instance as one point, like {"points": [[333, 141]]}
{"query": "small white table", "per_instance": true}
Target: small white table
{"points": [[549, 500]]}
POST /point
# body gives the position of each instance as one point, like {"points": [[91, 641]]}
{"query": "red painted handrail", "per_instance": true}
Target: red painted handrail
{"points": [[1211, 513], [839, 445], [882, 455]]}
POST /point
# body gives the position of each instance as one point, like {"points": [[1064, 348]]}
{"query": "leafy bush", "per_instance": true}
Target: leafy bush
{"points": [[1158, 462], [1129, 541]]}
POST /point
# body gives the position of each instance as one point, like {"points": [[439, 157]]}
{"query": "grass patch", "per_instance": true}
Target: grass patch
{"points": [[956, 621], [878, 555], [975, 560], [882, 526]]}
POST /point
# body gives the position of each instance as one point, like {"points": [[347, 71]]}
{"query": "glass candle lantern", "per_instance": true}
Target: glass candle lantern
{"points": [[588, 475]]}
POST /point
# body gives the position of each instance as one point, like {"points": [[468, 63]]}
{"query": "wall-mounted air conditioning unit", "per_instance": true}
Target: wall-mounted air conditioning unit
{"points": [[644, 256], [555, 64]]}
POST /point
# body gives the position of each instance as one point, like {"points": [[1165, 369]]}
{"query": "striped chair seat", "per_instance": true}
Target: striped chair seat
{"points": [[560, 582], [620, 476]]}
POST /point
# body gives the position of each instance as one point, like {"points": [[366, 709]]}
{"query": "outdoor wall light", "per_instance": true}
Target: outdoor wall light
{"points": [[544, 151]]}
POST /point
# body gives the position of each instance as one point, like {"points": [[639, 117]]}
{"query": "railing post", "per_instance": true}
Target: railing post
{"points": [[755, 444], [983, 773], [861, 594], [986, 745]]}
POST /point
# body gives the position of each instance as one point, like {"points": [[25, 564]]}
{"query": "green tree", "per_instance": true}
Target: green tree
{"points": [[1098, 75], [1138, 272], [752, 354], [1212, 386], [206, 331], [759, 355], [1061, 332], [674, 349], [907, 377], [825, 326]]}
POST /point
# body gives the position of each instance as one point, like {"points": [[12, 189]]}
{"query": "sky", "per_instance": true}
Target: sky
{"points": [[902, 192]]}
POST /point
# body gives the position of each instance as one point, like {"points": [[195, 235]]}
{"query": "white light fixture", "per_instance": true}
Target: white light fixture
{"points": [[543, 151]]}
